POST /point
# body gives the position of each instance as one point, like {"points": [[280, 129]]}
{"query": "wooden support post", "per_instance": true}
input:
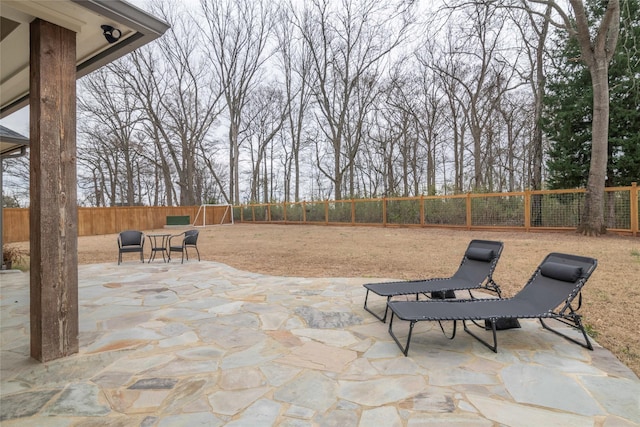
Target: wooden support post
{"points": [[53, 217]]}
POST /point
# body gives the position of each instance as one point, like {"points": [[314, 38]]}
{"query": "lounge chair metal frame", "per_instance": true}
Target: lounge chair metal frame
{"points": [[445, 284], [566, 314]]}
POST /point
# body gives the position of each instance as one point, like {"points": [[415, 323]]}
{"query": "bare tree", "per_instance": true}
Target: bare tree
{"points": [[295, 63], [265, 114], [451, 71], [237, 33], [109, 115], [347, 42], [534, 31], [181, 102]]}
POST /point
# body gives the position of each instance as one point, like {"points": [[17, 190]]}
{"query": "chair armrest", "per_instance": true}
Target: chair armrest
{"points": [[171, 237]]}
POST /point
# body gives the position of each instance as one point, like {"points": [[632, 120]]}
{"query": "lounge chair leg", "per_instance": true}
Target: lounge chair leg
{"points": [[405, 349], [493, 347], [453, 334], [377, 316], [577, 324]]}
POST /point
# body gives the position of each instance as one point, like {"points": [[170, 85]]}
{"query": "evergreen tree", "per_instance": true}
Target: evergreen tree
{"points": [[568, 108]]}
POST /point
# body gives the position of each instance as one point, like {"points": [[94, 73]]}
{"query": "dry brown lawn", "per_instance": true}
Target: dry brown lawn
{"points": [[611, 297]]}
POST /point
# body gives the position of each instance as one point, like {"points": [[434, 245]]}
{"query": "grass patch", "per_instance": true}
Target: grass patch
{"points": [[23, 265], [591, 331], [631, 354]]}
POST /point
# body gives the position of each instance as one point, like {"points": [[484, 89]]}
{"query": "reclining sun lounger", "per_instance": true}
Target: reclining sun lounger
{"points": [[475, 272], [548, 294]]}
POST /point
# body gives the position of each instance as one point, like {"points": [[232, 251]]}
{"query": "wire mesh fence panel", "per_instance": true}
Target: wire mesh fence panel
{"points": [[276, 212], [340, 211], [368, 211], [238, 211], [560, 209], [403, 211], [445, 211], [493, 211], [247, 214], [294, 212], [261, 213], [617, 209], [556, 209], [315, 212]]}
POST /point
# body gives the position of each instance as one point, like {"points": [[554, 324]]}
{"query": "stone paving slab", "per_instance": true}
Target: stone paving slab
{"points": [[204, 344]]}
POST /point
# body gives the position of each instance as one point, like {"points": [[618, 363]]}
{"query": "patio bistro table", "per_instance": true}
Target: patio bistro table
{"points": [[155, 247]]}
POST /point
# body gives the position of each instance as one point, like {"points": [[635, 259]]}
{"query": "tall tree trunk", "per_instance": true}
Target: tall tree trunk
{"points": [[597, 54], [593, 221], [539, 86]]}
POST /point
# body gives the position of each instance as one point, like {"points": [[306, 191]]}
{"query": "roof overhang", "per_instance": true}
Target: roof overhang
{"points": [[85, 18], [11, 142]]}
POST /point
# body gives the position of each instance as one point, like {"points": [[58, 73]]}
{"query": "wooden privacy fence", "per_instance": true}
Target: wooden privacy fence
{"points": [[94, 221], [527, 211]]}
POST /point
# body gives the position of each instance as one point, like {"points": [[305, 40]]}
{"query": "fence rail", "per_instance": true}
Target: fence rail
{"points": [[95, 221], [527, 211], [543, 210]]}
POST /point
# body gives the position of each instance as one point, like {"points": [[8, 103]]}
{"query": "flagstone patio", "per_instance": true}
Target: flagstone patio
{"points": [[205, 344]]}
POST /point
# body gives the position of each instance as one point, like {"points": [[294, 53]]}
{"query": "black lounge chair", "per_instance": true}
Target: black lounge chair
{"points": [[549, 294], [475, 272], [130, 241]]}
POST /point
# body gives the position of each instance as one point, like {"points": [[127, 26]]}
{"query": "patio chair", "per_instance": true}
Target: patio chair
{"points": [[549, 294], [130, 241], [189, 239], [474, 272]]}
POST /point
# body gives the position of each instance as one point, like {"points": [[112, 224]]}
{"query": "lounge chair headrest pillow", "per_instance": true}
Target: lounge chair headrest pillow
{"points": [[555, 270], [479, 254]]}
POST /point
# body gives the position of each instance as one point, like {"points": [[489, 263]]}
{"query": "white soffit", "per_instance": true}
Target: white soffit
{"points": [[85, 18]]}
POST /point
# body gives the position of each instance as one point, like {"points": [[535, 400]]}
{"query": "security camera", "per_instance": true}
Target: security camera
{"points": [[111, 34]]}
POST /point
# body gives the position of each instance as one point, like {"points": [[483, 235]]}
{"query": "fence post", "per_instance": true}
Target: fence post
{"points": [[284, 211], [353, 212], [326, 212], [422, 210], [468, 211], [304, 211], [384, 211], [633, 199], [527, 210]]}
